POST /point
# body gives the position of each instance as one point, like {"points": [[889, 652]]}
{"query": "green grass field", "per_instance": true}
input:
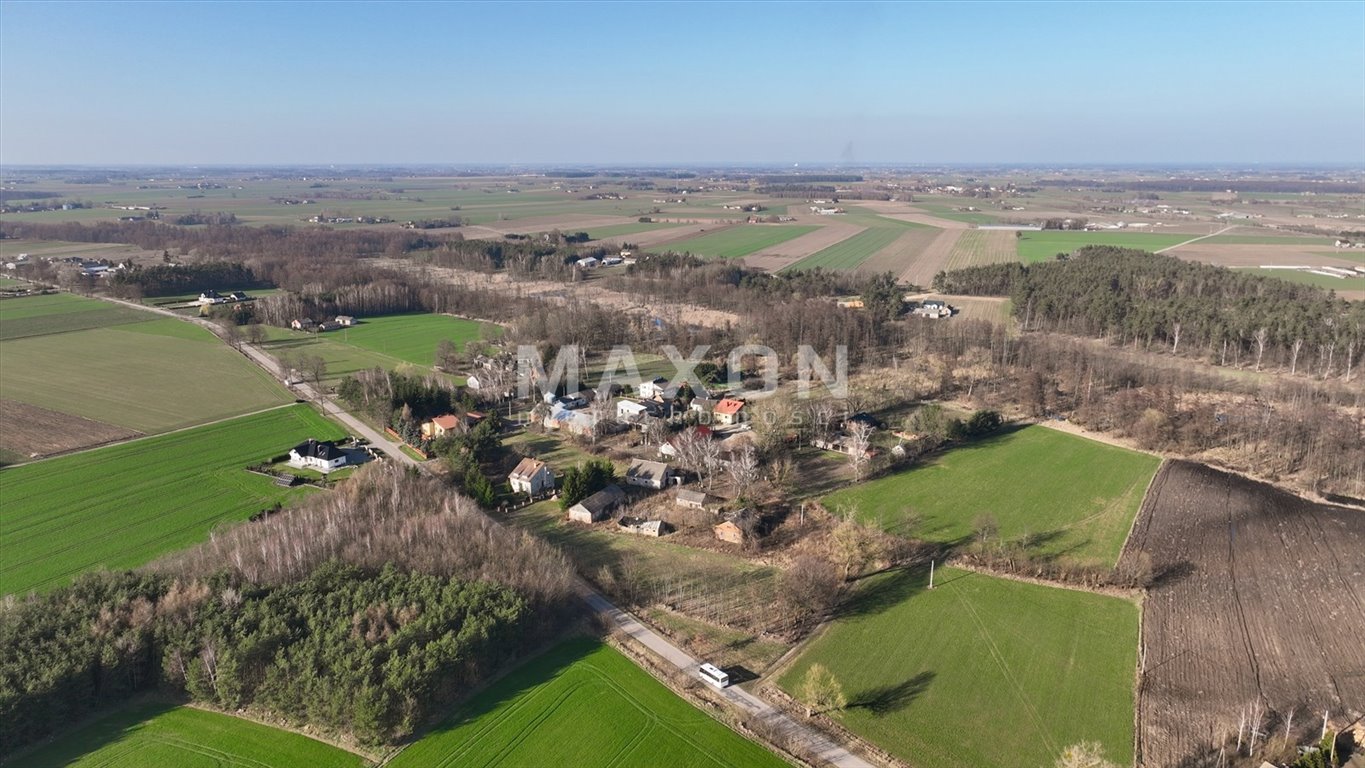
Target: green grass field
{"points": [[737, 241], [980, 671], [150, 376], [582, 703], [411, 338], [60, 313], [1266, 240], [852, 251], [123, 505], [1075, 496], [149, 734], [950, 212], [1044, 246], [1308, 278]]}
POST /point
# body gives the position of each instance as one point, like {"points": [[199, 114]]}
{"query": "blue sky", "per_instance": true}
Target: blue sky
{"points": [[125, 83]]}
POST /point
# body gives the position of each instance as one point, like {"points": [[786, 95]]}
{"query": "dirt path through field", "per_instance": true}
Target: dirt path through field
{"points": [[776, 257]]}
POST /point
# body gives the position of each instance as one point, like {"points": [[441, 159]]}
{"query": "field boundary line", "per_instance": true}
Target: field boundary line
{"points": [[1195, 240], [251, 718], [147, 436]]}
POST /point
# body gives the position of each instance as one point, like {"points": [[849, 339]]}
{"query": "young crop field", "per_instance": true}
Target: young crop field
{"points": [[950, 212], [977, 247], [123, 505], [980, 671], [853, 251], [160, 735], [739, 240], [1057, 494], [1259, 597], [1044, 246], [582, 703], [58, 313], [1346, 285], [148, 376]]}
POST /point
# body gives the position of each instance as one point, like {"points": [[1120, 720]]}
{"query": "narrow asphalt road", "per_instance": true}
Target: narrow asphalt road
{"points": [[827, 750]]}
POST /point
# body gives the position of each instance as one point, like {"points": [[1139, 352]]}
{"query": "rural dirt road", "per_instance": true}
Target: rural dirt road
{"points": [[828, 751], [1196, 239]]}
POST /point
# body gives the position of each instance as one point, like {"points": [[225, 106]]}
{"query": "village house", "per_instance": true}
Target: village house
{"points": [[441, 426], [737, 527], [653, 388], [321, 455], [598, 506], [669, 448], [728, 412], [840, 444], [933, 309], [303, 324], [647, 474], [532, 477], [345, 321], [577, 422], [211, 297]]}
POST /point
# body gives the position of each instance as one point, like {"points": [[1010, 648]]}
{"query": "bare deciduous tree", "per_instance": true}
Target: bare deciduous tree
{"points": [[859, 442], [744, 470]]}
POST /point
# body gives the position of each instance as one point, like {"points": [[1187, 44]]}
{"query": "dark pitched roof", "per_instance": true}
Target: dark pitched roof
{"points": [[319, 449], [603, 500]]}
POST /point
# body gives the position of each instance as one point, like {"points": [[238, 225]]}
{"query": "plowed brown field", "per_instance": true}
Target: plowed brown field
{"points": [[1259, 597]]}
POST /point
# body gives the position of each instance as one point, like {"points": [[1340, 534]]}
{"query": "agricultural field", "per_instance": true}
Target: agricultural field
{"points": [[150, 734], [944, 210], [123, 505], [60, 313], [980, 671], [737, 241], [979, 247], [1347, 286], [1058, 495], [1236, 239], [1259, 596], [1044, 246], [391, 341], [582, 703], [618, 230], [148, 376], [850, 253]]}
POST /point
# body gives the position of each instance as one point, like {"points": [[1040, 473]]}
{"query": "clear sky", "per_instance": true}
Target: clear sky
{"points": [[670, 83]]}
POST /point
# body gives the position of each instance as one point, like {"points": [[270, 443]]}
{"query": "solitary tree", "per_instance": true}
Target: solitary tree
{"points": [[820, 691], [859, 442]]}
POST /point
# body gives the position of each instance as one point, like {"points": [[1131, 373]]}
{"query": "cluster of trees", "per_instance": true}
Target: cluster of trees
{"points": [[195, 218], [364, 610], [1148, 300], [584, 480], [398, 399], [167, 279]]}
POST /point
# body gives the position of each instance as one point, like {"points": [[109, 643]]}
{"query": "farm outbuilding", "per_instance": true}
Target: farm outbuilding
{"points": [[688, 499], [648, 474], [598, 506]]}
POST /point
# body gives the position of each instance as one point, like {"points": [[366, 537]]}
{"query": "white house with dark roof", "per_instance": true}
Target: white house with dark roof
{"points": [[321, 455]]}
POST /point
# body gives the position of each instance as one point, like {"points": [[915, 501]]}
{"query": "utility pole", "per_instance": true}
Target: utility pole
{"points": [[931, 574]]}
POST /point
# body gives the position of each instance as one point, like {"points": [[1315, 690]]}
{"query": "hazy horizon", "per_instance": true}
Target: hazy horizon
{"points": [[855, 85]]}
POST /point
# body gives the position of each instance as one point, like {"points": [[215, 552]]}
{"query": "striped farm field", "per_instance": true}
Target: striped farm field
{"points": [[737, 241], [582, 703], [123, 505], [978, 247], [851, 252], [618, 230], [158, 735], [59, 313]]}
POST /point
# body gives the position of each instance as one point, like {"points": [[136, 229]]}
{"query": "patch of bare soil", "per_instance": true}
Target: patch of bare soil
{"points": [[1226, 255], [656, 237], [932, 259], [35, 432], [1259, 597], [792, 251]]}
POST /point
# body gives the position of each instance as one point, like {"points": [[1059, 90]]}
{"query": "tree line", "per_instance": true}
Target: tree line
{"points": [[1160, 302]]}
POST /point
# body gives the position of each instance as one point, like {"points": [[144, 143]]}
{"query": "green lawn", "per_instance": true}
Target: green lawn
{"points": [[150, 376], [980, 671], [59, 313], [388, 341], [123, 505], [147, 735], [739, 240], [1045, 245], [1076, 497], [582, 703]]}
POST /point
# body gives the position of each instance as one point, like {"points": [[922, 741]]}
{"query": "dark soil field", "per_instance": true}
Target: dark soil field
{"points": [[1259, 598]]}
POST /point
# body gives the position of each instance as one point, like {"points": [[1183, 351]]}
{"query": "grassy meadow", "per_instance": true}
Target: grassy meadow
{"points": [[582, 703], [124, 505], [150, 376], [1073, 498], [389, 341], [980, 671], [737, 241], [151, 734], [1045, 245], [60, 313]]}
